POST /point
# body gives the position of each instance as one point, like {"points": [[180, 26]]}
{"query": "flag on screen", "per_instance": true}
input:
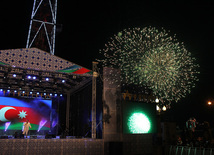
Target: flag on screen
{"points": [[19, 113]]}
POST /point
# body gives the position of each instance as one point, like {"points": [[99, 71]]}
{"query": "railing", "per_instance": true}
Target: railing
{"points": [[186, 150]]}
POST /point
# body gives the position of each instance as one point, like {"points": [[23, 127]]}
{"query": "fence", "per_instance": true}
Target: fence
{"points": [[186, 150]]}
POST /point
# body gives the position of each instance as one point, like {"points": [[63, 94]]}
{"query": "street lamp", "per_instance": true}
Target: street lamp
{"points": [[164, 108], [157, 100], [159, 107], [209, 103]]}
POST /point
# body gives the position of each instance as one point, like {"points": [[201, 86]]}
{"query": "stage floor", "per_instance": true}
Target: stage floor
{"points": [[52, 146]]}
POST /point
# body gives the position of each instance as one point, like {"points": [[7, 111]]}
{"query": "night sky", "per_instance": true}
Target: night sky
{"points": [[87, 26]]}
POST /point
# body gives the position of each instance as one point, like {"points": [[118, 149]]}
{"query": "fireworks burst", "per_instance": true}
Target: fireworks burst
{"points": [[152, 58]]}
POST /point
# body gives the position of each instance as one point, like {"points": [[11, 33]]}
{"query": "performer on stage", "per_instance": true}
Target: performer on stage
{"points": [[26, 127]]}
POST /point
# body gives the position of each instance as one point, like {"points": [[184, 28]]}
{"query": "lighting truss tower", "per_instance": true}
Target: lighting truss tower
{"points": [[42, 29], [95, 75]]}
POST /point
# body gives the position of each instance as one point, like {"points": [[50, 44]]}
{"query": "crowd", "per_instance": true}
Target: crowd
{"points": [[195, 134]]}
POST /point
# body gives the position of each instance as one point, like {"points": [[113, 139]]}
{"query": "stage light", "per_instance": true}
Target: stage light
{"points": [[50, 94], [47, 79], [37, 93], [15, 91], [44, 93], [7, 124], [31, 92], [5, 75], [14, 75], [61, 95], [55, 95], [63, 81], [54, 123], [29, 77], [34, 77], [1, 92], [23, 92], [41, 124], [8, 90]]}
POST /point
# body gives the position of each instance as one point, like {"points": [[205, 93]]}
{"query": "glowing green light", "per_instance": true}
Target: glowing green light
{"points": [[139, 123]]}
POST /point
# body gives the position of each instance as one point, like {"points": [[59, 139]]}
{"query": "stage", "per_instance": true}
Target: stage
{"points": [[33, 145], [56, 97]]}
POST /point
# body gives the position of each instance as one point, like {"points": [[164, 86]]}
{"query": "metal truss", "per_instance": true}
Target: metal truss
{"points": [[95, 75], [42, 29]]}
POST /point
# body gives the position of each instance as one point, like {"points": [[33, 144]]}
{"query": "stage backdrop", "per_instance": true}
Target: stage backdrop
{"points": [[15, 111]]}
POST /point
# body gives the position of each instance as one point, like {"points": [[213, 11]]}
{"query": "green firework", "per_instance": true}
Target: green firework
{"points": [[151, 57]]}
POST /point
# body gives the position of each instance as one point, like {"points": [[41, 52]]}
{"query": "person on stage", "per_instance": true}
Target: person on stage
{"points": [[26, 127]]}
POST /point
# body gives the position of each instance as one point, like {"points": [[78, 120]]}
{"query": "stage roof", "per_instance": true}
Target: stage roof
{"points": [[39, 71], [34, 58]]}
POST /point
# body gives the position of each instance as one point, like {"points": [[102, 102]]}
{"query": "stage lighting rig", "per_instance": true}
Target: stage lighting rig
{"points": [[32, 81]]}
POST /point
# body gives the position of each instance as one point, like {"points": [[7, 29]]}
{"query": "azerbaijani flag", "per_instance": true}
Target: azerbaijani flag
{"points": [[18, 110]]}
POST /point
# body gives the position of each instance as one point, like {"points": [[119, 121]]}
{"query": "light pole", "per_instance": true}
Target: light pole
{"points": [[159, 107]]}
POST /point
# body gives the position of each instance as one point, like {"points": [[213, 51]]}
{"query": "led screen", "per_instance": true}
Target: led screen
{"points": [[15, 111], [139, 118]]}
